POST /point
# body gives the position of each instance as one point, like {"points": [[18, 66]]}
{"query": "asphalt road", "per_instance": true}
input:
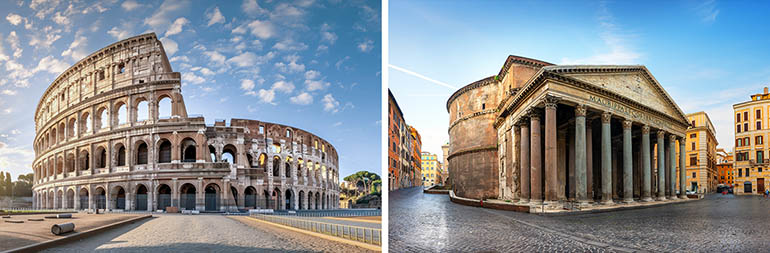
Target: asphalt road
{"points": [[428, 222]]}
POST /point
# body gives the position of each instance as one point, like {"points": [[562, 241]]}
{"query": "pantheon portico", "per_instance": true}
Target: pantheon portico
{"points": [[566, 136]]}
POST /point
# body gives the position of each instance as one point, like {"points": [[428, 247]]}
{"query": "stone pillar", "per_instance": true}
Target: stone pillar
{"points": [[661, 166], [566, 150], [589, 160], [672, 164], [628, 189], [552, 184], [646, 170], [682, 170], [516, 174], [606, 159], [536, 187], [580, 155], [524, 164]]}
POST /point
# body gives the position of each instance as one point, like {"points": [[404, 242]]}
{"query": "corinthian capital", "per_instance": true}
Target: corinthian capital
{"points": [[606, 117], [645, 129], [580, 111], [551, 101]]}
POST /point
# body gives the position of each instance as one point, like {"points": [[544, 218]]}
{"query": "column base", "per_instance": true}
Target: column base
{"points": [[607, 202], [661, 198], [683, 197], [535, 202], [552, 205], [673, 197], [628, 201], [523, 201], [647, 199], [583, 204]]}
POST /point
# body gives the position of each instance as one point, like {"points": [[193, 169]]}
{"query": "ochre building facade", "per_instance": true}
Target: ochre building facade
{"points": [[701, 154], [103, 142], [752, 125], [538, 133]]}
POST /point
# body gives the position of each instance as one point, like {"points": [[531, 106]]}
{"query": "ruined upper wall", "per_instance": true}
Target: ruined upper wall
{"points": [[136, 60]]}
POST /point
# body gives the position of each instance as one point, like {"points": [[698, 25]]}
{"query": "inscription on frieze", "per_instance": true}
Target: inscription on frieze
{"points": [[629, 112]]}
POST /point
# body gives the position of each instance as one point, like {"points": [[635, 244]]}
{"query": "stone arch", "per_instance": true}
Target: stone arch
{"points": [[232, 151], [59, 165], [142, 109], [213, 154], [100, 157], [62, 132], [212, 198], [70, 204], [84, 160], [187, 194], [268, 203], [277, 200], [120, 154], [118, 198], [317, 200], [100, 198], [53, 136], [102, 118], [70, 164], [188, 149], [289, 199], [121, 113], [140, 198], [164, 151], [276, 166], [142, 152], [301, 199], [84, 198], [287, 166], [300, 168], [72, 127], [165, 106], [85, 122], [250, 197], [163, 196]]}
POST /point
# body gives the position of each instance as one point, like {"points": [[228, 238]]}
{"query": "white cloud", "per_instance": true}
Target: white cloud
{"points": [[290, 65], [215, 16], [618, 44], [312, 74], [16, 160], [15, 44], [119, 33], [339, 123], [251, 7], [51, 35], [130, 5], [176, 27], [341, 61], [366, 45], [182, 58], [14, 19], [330, 104], [51, 65], [313, 85], [77, 48], [283, 86], [327, 35], [261, 29], [303, 98], [289, 45], [15, 132], [8, 92], [190, 77], [247, 85], [243, 60], [285, 12], [160, 19], [266, 96], [59, 19], [169, 45], [707, 11], [215, 57], [206, 72]]}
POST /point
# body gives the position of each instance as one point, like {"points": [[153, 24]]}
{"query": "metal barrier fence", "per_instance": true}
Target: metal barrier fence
{"points": [[361, 234], [332, 213]]}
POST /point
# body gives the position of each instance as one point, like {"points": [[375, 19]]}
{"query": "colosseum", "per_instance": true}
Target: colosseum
{"points": [[112, 133], [544, 135]]}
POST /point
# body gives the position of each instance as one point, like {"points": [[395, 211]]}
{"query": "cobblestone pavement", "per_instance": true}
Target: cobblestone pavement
{"points": [[718, 223], [202, 233]]}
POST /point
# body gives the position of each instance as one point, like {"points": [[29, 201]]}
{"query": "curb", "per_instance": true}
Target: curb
{"points": [[323, 236], [620, 208], [64, 240]]}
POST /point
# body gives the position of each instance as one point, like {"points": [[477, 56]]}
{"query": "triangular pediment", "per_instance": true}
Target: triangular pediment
{"points": [[633, 84]]}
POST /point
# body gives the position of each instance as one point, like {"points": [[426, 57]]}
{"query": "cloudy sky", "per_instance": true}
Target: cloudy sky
{"points": [[310, 64], [708, 55]]}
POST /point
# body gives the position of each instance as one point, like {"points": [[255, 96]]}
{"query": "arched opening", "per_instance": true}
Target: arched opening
{"points": [[262, 161], [188, 150], [104, 119], [212, 197], [101, 157], [350, 203], [164, 151], [121, 116], [276, 166], [234, 192], [213, 154], [250, 198], [228, 154], [84, 160], [50, 200], [101, 198], [310, 200], [187, 196], [83, 199], [142, 111], [323, 200], [121, 155], [70, 199], [141, 198], [70, 163], [119, 198], [288, 200], [268, 203], [141, 153], [59, 166], [287, 167], [62, 127], [317, 200], [72, 128], [85, 123], [164, 108], [276, 201], [300, 199], [164, 196], [53, 136]]}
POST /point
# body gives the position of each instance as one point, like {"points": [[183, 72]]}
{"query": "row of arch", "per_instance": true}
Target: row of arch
{"points": [[186, 198], [84, 123]]}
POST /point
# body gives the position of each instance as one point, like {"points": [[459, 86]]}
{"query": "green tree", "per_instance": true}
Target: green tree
{"points": [[366, 178], [8, 184], [23, 186], [2, 184]]}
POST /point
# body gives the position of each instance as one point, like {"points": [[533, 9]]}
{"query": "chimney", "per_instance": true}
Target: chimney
{"points": [[765, 90]]}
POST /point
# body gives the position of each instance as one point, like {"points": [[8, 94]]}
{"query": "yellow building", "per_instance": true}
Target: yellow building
{"points": [[752, 121], [431, 169], [701, 149]]}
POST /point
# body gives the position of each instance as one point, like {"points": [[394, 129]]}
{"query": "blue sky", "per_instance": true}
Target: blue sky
{"points": [[708, 55], [310, 64]]}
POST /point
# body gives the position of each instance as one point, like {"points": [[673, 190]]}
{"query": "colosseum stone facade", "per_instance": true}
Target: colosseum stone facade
{"points": [[566, 136], [103, 142]]}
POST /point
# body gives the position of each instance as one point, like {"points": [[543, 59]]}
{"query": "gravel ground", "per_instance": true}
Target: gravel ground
{"points": [[14, 235], [202, 233]]}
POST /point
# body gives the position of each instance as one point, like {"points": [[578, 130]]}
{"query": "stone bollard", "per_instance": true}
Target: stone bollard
{"points": [[59, 229]]}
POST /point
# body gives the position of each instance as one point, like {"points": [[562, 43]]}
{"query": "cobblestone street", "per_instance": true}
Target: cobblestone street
{"points": [[430, 222], [202, 233]]}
